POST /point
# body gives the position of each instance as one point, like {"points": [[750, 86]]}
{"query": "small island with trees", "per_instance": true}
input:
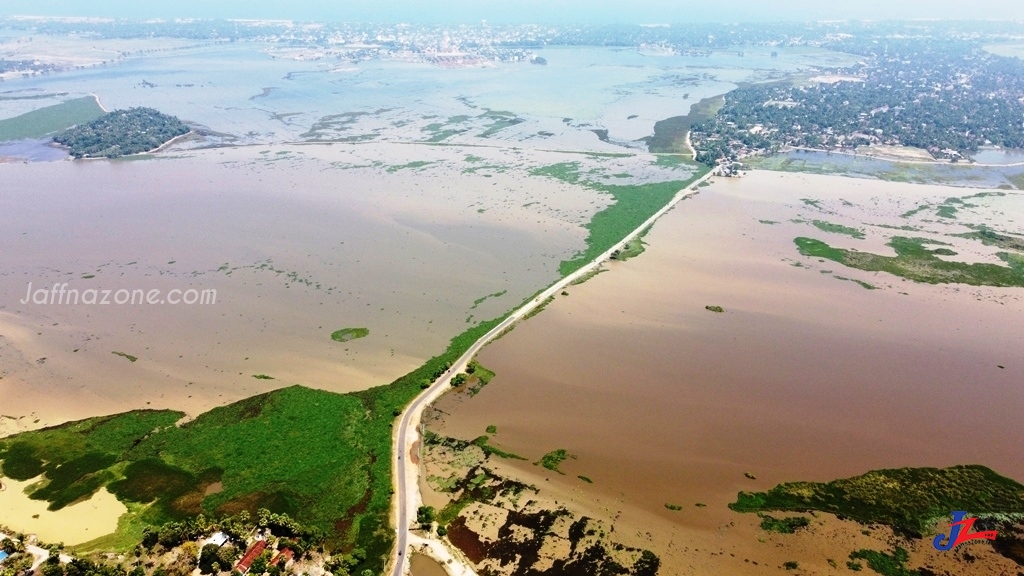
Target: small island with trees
{"points": [[122, 133]]}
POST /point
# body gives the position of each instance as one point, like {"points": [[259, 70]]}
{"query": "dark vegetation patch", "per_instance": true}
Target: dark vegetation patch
{"points": [[838, 229], [993, 238], [894, 564], [914, 261], [127, 357], [910, 500], [787, 525], [122, 132], [1010, 541], [552, 460]]}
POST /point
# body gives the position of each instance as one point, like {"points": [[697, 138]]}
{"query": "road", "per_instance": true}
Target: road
{"points": [[407, 434], [39, 554]]}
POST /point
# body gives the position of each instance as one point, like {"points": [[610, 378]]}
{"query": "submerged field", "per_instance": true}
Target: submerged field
{"points": [[813, 371]]}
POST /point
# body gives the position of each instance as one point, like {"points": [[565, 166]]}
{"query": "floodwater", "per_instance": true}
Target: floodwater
{"points": [[999, 156], [74, 524], [297, 244], [31, 150], [421, 565], [803, 377], [264, 92]]}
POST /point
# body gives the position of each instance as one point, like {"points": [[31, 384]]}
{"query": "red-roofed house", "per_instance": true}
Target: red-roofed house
{"points": [[250, 555], [284, 557]]}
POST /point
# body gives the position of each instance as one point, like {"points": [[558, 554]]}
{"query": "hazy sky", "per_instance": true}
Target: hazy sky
{"points": [[541, 11]]}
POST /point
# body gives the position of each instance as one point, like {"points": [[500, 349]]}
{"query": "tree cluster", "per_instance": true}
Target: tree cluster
{"points": [[122, 132]]}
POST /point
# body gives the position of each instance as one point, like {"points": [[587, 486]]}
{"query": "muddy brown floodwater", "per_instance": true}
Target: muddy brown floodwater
{"points": [[805, 376], [421, 565]]}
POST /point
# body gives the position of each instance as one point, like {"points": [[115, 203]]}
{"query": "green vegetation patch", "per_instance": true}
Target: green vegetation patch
{"points": [[552, 460], [716, 309], [348, 334], [498, 121], [539, 308], [408, 166], [787, 525], [993, 238], [634, 204], [483, 299], [479, 377], [670, 134], [492, 451], [127, 357], [122, 132], [914, 261], [838, 229], [908, 499], [45, 121], [894, 564], [633, 248], [674, 507]]}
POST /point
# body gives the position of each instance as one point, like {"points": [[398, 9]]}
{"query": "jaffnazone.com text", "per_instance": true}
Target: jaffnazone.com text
{"points": [[61, 295]]}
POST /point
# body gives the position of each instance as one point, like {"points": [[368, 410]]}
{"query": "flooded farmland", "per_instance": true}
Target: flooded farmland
{"points": [[813, 371]]}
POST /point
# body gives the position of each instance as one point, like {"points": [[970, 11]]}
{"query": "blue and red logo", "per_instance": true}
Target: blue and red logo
{"points": [[960, 532]]}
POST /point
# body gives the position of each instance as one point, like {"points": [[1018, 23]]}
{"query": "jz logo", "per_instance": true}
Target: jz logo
{"points": [[960, 532]]}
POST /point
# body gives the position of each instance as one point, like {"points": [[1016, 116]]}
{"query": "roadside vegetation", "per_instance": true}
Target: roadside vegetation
{"points": [[633, 205]]}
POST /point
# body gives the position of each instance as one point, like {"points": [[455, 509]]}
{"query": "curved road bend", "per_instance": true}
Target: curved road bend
{"points": [[407, 432]]}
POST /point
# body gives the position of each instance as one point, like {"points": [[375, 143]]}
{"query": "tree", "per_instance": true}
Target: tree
{"points": [[425, 516], [258, 566], [209, 559]]}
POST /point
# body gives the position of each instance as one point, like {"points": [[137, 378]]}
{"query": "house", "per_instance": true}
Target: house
{"points": [[284, 557], [250, 555]]}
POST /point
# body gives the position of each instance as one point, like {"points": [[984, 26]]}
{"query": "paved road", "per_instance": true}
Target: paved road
{"points": [[407, 432]]}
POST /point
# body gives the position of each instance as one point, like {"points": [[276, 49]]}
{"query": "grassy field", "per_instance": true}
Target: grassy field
{"points": [[914, 261], [910, 500], [45, 121], [633, 205]]}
